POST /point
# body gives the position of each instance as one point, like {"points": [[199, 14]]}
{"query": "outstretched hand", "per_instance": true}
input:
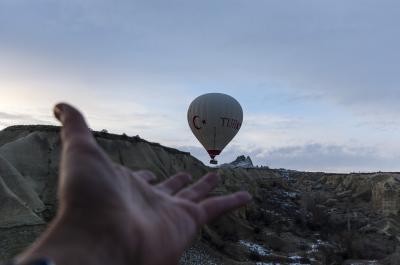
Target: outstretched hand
{"points": [[109, 214]]}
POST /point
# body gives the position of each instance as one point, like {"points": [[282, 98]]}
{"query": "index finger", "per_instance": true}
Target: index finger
{"points": [[75, 130], [216, 206]]}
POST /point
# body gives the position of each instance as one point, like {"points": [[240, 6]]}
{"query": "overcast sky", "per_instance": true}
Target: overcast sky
{"points": [[317, 80]]}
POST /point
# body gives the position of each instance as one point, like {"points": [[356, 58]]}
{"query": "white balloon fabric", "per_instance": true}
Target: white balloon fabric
{"points": [[215, 119]]}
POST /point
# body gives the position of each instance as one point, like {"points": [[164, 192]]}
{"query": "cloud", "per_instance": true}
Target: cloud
{"points": [[266, 121], [336, 52], [316, 157], [311, 71], [13, 116], [330, 158], [311, 157], [9, 119]]}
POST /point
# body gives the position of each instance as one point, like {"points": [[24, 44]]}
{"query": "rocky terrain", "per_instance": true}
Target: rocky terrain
{"points": [[240, 162], [295, 217]]}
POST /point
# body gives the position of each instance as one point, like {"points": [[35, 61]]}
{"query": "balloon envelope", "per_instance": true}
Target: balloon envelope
{"points": [[215, 119]]}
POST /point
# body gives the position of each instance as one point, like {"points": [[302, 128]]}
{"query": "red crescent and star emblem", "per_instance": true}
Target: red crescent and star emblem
{"points": [[195, 118]]}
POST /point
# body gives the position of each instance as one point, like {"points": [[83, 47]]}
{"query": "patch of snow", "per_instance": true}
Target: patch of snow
{"points": [[284, 173], [288, 206], [197, 255], [295, 257], [292, 195], [260, 250], [369, 262], [316, 246]]}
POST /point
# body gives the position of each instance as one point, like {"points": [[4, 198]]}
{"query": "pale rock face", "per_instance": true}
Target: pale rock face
{"points": [[381, 189], [20, 186], [348, 215], [14, 211], [240, 162], [386, 195]]}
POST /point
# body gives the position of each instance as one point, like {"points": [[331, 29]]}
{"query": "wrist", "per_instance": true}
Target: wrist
{"points": [[69, 240]]}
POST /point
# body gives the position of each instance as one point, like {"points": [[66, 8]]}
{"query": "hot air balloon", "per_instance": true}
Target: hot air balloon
{"points": [[214, 119]]}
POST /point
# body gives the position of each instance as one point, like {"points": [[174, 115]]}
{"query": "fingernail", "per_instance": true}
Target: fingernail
{"points": [[58, 110]]}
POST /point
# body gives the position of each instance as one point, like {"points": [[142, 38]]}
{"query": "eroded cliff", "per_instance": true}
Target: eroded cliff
{"points": [[295, 217]]}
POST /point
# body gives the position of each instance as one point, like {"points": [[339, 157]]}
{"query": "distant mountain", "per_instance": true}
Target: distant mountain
{"points": [[241, 161]]}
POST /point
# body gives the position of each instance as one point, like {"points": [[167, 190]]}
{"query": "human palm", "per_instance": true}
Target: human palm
{"points": [[105, 205]]}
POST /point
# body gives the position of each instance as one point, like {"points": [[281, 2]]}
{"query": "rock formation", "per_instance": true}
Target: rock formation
{"points": [[240, 161], [295, 217]]}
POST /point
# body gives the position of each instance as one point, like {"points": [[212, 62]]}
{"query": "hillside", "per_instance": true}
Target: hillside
{"points": [[295, 217]]}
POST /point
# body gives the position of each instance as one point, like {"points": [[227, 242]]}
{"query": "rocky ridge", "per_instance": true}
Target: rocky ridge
{"points": [[240, 162], [295, 217]]}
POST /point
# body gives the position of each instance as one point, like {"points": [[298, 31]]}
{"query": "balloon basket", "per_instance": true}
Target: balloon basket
{"points": [[213, 161]]}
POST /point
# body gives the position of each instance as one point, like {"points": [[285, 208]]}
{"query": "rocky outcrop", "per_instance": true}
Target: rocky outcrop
{"points": [[295, 217], [241, 161], [386, 195]]}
